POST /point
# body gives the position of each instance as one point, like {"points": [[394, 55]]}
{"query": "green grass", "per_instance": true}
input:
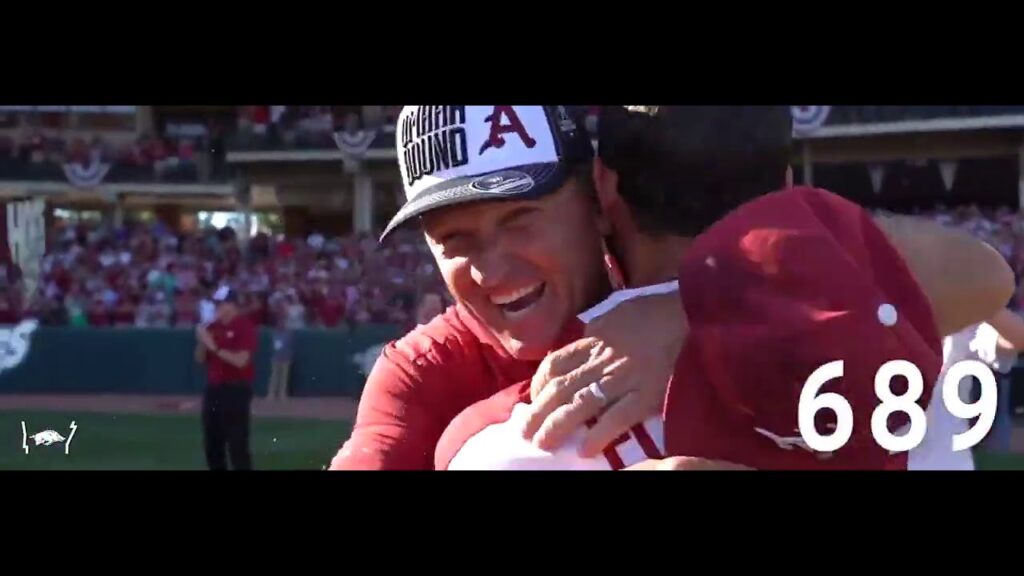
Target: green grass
{"points": [[998, 461], [160, 442], [174, 442]]}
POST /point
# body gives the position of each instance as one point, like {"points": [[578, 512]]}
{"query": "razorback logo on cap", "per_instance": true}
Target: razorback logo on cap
{"points": [[439, 143], [496, 138]]}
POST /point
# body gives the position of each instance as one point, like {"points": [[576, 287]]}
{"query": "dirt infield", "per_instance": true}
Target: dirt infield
{"points": [[313, 408]]}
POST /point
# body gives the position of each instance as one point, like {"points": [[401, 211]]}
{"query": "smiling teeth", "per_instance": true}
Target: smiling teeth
{"points": [[513, 296]]}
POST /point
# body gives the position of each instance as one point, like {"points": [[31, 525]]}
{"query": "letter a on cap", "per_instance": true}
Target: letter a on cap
{"points": [[496, 138]]}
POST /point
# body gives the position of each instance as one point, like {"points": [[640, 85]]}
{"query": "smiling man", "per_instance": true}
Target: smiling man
{"points": [[504, 198]]}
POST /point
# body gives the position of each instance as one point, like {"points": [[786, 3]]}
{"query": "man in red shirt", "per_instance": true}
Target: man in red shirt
{"points": [[486, 342], [522, 267], [228, 347]]}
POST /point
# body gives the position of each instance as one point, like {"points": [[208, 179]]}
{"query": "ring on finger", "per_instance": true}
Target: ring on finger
{"points": [[596, 392]]}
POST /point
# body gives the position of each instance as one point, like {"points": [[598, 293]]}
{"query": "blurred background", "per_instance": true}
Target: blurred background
{"points": [[139, 213]]}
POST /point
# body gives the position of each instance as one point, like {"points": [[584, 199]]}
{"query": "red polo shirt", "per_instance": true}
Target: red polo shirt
{"points": [[235, 336], [419, 384]]}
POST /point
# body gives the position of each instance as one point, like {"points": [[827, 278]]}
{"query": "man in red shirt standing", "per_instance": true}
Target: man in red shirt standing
{"points": [[227, 346]]}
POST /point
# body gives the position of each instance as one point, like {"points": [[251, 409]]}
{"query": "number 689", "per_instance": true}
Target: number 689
{"points": [[811, 403]]}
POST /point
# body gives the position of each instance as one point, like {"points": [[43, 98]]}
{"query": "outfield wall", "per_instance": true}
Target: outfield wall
{"points": [[160, 361]]}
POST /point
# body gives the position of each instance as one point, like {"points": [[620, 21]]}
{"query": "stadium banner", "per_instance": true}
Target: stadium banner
{"points": [[353, 145], [159, 361], [86, 176], [809, 118]]}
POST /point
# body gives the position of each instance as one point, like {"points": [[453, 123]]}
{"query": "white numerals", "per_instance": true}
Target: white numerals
{"points": [[912, 436], [891, 403], [810, 404], [984, 408]]}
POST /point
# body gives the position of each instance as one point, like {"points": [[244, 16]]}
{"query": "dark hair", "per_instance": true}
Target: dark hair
{"points": [[681, 168], [584, 179]]}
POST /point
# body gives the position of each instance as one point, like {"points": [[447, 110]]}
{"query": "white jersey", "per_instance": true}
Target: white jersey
{"points": [[978, 342], [488, 435], [500, 446]]}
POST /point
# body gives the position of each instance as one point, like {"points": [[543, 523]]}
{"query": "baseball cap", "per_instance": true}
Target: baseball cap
{"points": [[778, 288], [451, 155], [225, 294]]}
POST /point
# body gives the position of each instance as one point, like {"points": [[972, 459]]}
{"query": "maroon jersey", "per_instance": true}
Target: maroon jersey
{"points": [[235, 336]]}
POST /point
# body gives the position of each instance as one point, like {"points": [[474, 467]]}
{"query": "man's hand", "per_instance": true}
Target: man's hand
{"points": [[683, 463], [204, 338], [618, 374]]}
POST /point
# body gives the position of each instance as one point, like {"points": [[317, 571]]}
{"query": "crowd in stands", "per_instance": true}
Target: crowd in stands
{"points": [[36, 154], [146, 276], [143, 275], [305, 126], [193, 152]]}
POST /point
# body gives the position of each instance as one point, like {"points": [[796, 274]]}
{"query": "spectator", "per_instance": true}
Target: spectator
{"points": [[186, 308], [98, 313], [227, 347], [75, 304], [124, 312], [281, 361], [315, 241], [295, 312], [155, 313], [331, 309]]}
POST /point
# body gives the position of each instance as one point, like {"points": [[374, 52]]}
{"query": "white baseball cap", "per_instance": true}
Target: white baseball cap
{"points": [[455, 154]]}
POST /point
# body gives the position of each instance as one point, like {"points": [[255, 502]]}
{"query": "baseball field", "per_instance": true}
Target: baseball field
{"points": [[163, 433]]}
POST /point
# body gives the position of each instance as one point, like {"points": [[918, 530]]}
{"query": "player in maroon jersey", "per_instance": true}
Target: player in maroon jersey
{"points": [[768, 298]]}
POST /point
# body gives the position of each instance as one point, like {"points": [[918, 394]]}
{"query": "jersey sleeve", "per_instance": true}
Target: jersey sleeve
{"points": [[398, 422], [984, 346], [783, 286]]}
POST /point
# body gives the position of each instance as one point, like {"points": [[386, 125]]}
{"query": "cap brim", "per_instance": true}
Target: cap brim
{"points": [[224, 294], [516, 183]]}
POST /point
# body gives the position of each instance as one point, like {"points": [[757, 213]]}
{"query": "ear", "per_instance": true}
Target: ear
{"points": [[606, 183]]}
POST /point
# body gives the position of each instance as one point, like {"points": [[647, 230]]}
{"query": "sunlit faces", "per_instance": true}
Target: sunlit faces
{"points": [[522, 267]]}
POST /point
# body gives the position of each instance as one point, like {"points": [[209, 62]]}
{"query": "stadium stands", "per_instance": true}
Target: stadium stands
{"points": [[147, 276]]}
